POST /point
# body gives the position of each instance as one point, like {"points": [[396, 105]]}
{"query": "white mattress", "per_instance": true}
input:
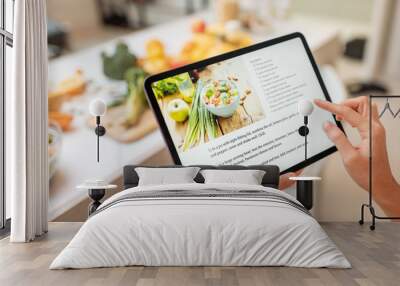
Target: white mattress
{"points": [[191, 231]]}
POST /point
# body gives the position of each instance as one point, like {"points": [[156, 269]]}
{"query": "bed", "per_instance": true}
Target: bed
{"points": [[198, 224]]}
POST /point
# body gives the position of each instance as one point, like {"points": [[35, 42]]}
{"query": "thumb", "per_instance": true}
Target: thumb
{"points": [[340, 140], [284, 181], [375, 114]]}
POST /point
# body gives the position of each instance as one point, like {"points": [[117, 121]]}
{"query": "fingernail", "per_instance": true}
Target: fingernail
{"points": [[317, 100]]}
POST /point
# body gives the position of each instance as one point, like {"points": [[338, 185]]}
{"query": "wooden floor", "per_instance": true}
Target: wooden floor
{"points": [[375, 257]]}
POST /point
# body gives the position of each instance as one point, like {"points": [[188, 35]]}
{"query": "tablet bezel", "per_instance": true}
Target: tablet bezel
{"points": [[163, 126]]}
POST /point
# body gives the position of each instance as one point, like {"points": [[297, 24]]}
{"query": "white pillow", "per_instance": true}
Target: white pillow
{"points": [[248, 177], [166, 176]]}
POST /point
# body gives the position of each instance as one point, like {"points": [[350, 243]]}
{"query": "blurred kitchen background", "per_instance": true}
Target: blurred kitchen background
{"points": [[104, 49]]}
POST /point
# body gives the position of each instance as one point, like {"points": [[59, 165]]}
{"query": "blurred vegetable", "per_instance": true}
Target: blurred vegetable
{"points": [[156, 59], [117, 102], [176, 63], [56, 100], [64, 120], [50, 139], [211, 40], [154, 49], [116, 65], [54, 146], [73, 85], [155, 65], [199, 26], [136, 102], [202, 124]]}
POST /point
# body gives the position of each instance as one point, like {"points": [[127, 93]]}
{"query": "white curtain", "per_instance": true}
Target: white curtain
{"points": [[26, 119]]}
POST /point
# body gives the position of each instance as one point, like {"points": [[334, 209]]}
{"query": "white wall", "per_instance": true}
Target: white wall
{"points": [[355, 10]]}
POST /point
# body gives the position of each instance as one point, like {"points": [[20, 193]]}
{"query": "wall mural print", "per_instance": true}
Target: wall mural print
{"points": [[114, 71]]}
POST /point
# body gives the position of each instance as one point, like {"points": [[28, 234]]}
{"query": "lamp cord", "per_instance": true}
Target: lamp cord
{"points": [[98, 147], [305, 147], [305, 136], [98, 137]]}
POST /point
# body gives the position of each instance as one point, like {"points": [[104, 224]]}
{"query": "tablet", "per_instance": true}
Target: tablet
{"points": [[241, 107]]}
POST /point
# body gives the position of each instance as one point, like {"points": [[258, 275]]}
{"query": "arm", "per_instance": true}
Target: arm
{"points": [[356, 158], [387, 196]]}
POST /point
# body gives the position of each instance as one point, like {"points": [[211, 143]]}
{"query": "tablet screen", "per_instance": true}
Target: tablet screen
{"points": [[243, 109]]}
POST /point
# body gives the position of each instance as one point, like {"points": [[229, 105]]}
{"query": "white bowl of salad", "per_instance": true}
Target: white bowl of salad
{"points": [[221, 97]]}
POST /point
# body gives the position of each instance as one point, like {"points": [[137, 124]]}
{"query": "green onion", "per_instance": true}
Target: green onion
{"points": [[201, 124]]}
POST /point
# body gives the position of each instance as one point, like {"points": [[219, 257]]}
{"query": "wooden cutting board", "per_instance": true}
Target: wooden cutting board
{"points": [[114, 120], [246, 114]]}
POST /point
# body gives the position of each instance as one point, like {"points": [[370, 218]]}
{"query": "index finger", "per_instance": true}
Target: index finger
{"points": [[362, 105], [345, 112], [359, 104]]}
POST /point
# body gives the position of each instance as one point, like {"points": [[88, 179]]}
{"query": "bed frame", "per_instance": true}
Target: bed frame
{"points": [[270, 179]]}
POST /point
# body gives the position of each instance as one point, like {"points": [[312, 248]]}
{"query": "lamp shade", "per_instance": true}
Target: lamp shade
{"points": [[97, 107], [305, 107]]}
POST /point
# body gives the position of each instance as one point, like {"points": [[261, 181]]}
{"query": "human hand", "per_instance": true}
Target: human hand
{"points": [[356, 158], [284, 181]]}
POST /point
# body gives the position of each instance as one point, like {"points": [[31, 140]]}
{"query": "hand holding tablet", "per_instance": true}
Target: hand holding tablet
{"points": [[242, 107]]}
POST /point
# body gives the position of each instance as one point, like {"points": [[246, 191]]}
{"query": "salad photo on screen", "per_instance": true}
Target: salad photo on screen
{"points": [[205, 104]]}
